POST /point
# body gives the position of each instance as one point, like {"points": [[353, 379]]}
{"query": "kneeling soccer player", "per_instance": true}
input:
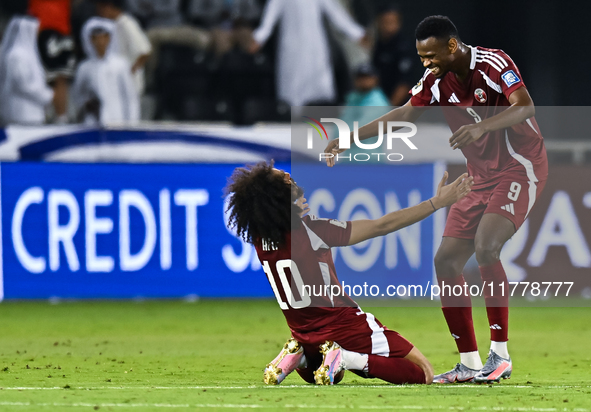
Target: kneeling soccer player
{"points": [[330, 333]]}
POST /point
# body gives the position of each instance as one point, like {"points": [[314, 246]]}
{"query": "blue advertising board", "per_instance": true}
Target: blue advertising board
{"points": [[135, 230]]}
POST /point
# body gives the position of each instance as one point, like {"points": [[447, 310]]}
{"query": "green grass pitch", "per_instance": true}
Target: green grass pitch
{"points": [[209, 355]]}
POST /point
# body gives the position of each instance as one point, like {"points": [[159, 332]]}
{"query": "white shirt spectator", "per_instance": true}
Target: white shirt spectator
{"points": [[24, 93], [106, 79], [133, 43], [303, 60]]}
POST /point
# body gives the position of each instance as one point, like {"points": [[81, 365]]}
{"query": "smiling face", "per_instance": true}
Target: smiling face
{"points": [[437, 55]]}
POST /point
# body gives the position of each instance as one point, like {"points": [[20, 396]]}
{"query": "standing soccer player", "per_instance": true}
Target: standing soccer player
{"points": [[491, 115], [330, 333]]}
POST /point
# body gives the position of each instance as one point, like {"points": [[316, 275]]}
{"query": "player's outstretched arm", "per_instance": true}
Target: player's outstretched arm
{"points": [[446, 195], [406, 113]]}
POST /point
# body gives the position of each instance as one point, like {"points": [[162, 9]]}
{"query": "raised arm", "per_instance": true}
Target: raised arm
{"points": [[342, 20], [271, 15], [446, 195], [521, 109]]}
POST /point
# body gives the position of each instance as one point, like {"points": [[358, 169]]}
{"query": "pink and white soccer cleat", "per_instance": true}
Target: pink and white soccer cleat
{"points": [[332, 363], [285, 363]]}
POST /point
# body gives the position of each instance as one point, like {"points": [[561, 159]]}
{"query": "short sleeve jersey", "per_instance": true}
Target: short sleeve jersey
{"points": [[493, 77], [306, 260]]}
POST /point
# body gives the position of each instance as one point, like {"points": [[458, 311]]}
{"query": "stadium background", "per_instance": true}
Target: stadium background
{"points": [[248, 88], [179, 163]]}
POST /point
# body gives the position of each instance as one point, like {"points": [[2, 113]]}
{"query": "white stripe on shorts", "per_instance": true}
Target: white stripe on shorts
{"points": [[529, 170], [379, 342]]}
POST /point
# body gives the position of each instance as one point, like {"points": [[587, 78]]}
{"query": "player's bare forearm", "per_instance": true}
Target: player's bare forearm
{"points": [[446, 195], [522, 108], [406, 113]]}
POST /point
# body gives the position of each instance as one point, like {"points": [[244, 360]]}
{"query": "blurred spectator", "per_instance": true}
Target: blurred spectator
{"points": [[304, 70], [24, 93], [157, 13], [354, 53], [103, 90], [230, 22], [393, 56], [165, 24], [132, 42], [56, 47], [366, 103], [367, 92]]}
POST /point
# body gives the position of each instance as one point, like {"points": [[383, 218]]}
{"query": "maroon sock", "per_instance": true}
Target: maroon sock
{"points": [[395, 370], [457, 311], [497, 300]]}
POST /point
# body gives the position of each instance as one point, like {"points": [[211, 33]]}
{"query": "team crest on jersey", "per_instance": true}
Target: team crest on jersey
{"points": [[510, 78], [418, 87], [480, 95]]}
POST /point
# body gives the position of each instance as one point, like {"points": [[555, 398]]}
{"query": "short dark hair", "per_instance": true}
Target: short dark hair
{"points": [[388, 8], [440, 27], [261, 204]]}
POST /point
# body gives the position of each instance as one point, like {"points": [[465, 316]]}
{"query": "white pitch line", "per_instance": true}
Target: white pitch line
{"points": [[300, 406], [277, 387]]}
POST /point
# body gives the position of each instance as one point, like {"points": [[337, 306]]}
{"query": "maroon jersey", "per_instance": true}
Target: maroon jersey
{"points": [[306, 260], [485, 92]]}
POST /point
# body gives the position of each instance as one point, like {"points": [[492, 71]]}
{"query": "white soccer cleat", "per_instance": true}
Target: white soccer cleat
{"points": [[332, 363], [285, 363]]}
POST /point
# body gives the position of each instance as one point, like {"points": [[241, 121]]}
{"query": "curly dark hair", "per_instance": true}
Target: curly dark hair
{"points": [[261, 204], [440, 27]]}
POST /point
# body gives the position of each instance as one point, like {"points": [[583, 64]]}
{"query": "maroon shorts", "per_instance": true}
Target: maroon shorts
{"points": [[512, 198], [355, 331]]}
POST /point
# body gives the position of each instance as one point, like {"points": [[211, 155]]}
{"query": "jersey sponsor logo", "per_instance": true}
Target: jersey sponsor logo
{"points": [[510, 78], [480, 95], [453, 98], [418, 87], [338, 223]]}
